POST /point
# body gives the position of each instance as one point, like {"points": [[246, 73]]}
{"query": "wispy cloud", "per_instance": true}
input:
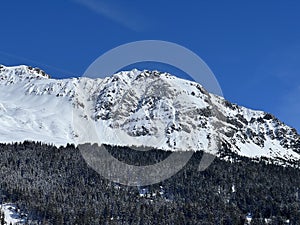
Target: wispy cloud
{"points": [[125, 17]]}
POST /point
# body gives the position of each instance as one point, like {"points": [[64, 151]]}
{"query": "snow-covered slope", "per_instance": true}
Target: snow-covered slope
{"points": [[135, 108], [11, 214]]}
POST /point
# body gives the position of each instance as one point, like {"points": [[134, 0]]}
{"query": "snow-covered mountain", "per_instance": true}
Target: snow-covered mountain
{"points": [[147, 108]]}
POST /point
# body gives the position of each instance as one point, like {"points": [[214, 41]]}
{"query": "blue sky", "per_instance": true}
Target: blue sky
{"points": [[253, 47]]}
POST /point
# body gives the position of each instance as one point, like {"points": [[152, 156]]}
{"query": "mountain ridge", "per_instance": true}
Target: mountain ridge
{"points": [[136, 107]]}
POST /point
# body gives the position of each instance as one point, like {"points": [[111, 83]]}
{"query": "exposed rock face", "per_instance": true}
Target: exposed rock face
{"points": [[135, 107]]}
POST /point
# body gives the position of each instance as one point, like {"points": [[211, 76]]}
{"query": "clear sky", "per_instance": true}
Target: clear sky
{"points": [[253, 47]]}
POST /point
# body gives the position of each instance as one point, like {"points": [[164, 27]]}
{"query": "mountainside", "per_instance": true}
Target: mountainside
{"points": [[135, 108], [56, 186]]}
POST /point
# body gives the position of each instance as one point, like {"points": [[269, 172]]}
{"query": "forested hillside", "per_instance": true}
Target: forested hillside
{"points": [[55, 186]]}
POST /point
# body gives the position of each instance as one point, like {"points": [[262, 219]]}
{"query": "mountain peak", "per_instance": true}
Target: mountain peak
{"points": [[13, 73], [136, 107]]}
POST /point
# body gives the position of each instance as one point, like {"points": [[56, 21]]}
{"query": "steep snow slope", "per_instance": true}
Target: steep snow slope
{"points": [[26, 114], [135, 108]]}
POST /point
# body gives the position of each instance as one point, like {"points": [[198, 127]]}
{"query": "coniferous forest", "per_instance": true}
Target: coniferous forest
{"points": [[56, 186]]}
